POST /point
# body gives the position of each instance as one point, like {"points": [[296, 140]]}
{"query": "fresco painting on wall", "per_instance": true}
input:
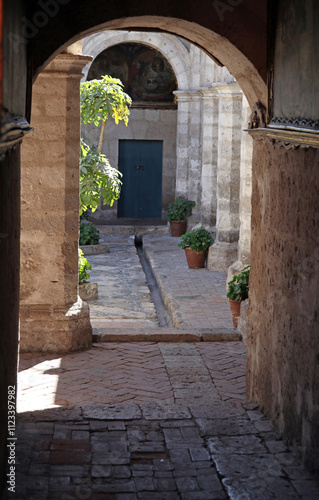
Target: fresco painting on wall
{"points": [[146, 74], [295, 95]]}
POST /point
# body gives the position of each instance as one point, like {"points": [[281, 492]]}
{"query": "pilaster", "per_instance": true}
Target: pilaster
{"points": [[243, 257], [224, 251], [52, 318], [188, 149]]}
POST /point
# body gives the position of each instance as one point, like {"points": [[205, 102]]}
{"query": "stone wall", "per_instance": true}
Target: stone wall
{"points": [[144, 124], [283, 340]]}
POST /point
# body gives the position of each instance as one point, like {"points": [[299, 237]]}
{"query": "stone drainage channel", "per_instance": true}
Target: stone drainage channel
{"points": [[163, 315]]}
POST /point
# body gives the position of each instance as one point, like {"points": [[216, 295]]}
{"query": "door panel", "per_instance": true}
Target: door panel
{"points": [[141, 165]]}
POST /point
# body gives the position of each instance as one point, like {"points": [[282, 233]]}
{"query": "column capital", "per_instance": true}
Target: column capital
{"points": [[66, 64], [187, 95], [224, 89]]}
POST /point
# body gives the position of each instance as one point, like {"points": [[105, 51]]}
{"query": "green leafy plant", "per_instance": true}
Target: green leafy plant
{"points": [[97, 179], [84, 267], [180, 209], [99, 100], [89, 235], [103, 98], [238, 287], [197, 239]]}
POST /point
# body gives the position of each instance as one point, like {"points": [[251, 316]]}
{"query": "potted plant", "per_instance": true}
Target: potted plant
{"points": [[237, 291], [196, 243], [178, 211]]}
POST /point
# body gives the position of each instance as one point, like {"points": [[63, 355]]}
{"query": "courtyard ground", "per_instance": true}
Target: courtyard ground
{"points": [[153, 412]]}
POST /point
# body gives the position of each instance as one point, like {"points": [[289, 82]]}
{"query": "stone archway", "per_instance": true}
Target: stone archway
{"points": [[228, 94], [171, 48], [283, 344], [218, 46]]}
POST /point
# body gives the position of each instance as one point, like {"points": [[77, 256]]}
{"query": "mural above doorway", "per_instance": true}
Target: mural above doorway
{"points": [[146, 74]]}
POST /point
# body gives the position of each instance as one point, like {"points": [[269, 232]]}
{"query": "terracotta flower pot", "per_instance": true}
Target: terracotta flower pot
{"points": [[195, 260], [235, 311], [178, 227]]}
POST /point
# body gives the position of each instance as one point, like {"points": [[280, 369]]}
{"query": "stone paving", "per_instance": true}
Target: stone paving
{"points": [[195, 298], [150, 420], [124, 298]]}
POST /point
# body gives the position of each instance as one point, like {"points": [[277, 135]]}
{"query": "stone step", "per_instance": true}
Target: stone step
{"points": [[134, 229], [165, 335], [95, 249]]}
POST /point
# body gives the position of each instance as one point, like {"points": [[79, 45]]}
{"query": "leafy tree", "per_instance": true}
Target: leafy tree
{"points": [[102, 98], [97, 178], [99, 100]]}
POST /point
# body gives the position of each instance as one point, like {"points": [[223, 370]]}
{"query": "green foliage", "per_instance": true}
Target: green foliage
{"points": [[197, 239], [97, 178], [84, 266], [103, 98], [180, 209], [89, 235], [99, 100], [238, 287]]}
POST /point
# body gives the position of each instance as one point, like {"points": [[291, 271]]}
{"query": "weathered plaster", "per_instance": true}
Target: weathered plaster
{"points": [[283, 341]]}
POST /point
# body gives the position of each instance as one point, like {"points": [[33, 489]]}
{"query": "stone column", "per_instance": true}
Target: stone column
{"points": [[188, 150], [52, 317], [243, 257], [224, 251], [209, 156]]}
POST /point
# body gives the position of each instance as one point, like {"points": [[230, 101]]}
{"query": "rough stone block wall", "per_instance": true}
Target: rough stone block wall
{"points": [[52, 319], [283, 340], [49, 229]]}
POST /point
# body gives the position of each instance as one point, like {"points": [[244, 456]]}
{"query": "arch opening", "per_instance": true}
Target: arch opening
{"points": [[215, 45]]}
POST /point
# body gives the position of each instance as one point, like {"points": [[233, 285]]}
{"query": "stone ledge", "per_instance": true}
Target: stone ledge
{"points": [[95, 249], [165, 335], [131, 230]]}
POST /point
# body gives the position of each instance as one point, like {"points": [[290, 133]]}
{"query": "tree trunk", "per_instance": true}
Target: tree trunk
{"points": [[99, 149]]}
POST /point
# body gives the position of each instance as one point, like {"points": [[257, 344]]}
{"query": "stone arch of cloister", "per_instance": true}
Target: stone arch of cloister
{"points": [[212, 159], [214, 44], [170, 46]]}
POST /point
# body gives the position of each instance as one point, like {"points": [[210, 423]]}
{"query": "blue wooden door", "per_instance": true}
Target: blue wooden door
{"points": [[141, 165]]}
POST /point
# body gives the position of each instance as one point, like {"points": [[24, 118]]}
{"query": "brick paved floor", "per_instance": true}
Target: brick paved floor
{"points": [[148, 421]]}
